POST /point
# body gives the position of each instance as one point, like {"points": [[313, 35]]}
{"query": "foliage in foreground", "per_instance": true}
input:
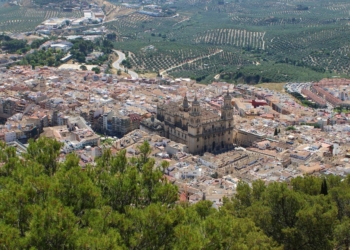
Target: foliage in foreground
{"points": [[126, 203]]}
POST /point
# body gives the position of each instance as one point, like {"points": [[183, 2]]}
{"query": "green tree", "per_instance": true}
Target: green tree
{"points": [[324, 188], [53, 226], [145, 150], [45, 151], [97, 70], [242, 199], [342, 234], [307, 185], [83, 67], [112, 36], [75, 189]]}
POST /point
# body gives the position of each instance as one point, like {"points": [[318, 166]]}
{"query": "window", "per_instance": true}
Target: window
{"points": [[197, 139]]}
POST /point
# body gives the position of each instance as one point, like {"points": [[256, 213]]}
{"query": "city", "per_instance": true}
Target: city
{"points": [[212, 136], [174, 124]]}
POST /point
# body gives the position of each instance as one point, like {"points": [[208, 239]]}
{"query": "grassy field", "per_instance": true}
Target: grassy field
{"points": [[278, 87]]}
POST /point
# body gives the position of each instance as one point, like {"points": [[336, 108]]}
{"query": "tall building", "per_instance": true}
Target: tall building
{"points": [[200, 129]]}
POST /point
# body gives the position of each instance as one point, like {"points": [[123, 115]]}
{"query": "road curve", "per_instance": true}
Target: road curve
{"points": [[116, 64]]}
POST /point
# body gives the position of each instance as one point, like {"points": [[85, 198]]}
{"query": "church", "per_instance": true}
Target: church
{"points": [[200, 129]]}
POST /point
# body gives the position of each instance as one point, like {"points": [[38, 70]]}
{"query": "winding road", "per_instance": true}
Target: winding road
{"points": [[116, 64]]}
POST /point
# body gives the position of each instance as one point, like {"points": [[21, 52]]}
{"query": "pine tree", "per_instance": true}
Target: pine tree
{"points": [[324, 189]]}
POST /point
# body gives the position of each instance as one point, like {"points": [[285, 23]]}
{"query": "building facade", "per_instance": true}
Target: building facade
{"points": [[200, 129]]}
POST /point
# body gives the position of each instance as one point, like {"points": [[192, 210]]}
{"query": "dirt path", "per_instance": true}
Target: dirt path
{"points": [[163, 72]]}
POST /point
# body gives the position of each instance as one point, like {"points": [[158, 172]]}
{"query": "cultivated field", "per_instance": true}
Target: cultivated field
{"points": [[260, 40], [16, 19], [240, 38]]}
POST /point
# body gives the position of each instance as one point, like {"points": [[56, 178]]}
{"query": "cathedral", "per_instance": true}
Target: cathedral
{"points": [[200, 129]]}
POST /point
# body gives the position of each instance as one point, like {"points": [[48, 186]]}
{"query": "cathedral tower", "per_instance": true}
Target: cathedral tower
{"points": [[227, 108], [227, 117], [195, 127]]}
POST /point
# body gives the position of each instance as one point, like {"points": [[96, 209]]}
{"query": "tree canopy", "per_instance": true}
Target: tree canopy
{"points": [[127, 203]]}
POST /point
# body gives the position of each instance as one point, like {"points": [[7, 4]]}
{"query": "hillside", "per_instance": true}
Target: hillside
{"points": [[260, 40], [254, 36], [127, 203]]}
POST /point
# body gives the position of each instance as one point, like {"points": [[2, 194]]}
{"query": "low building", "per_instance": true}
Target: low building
{"points": [[300, 155], [152, 126]]}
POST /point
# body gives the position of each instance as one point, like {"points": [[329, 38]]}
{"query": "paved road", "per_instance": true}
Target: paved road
{"points": [[116, 64]]}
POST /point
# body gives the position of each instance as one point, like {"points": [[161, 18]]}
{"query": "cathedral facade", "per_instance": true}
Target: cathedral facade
{"points": [[200, 129]]}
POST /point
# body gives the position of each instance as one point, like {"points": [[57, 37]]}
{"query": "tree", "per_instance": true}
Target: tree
{"points": [[112, 36], [324, 189], [215, 175], [83, 67], [97, 70], [307, 185], [315, 225], [53, 226], [127, 203], [85, 196], [126, 63], [145, 150], [276, 132], [45, 151], [227, 232], [242, 199], [342, 234], [14, 45], [204, 208]]}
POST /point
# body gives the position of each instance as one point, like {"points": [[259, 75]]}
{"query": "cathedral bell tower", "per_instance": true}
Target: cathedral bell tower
{"points": [[194, 140], [227, 108], [185, 105], [195, 111], [227, 121]]}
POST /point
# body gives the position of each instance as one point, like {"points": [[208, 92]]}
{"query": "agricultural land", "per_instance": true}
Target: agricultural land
{"points": [[236, 41]]}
